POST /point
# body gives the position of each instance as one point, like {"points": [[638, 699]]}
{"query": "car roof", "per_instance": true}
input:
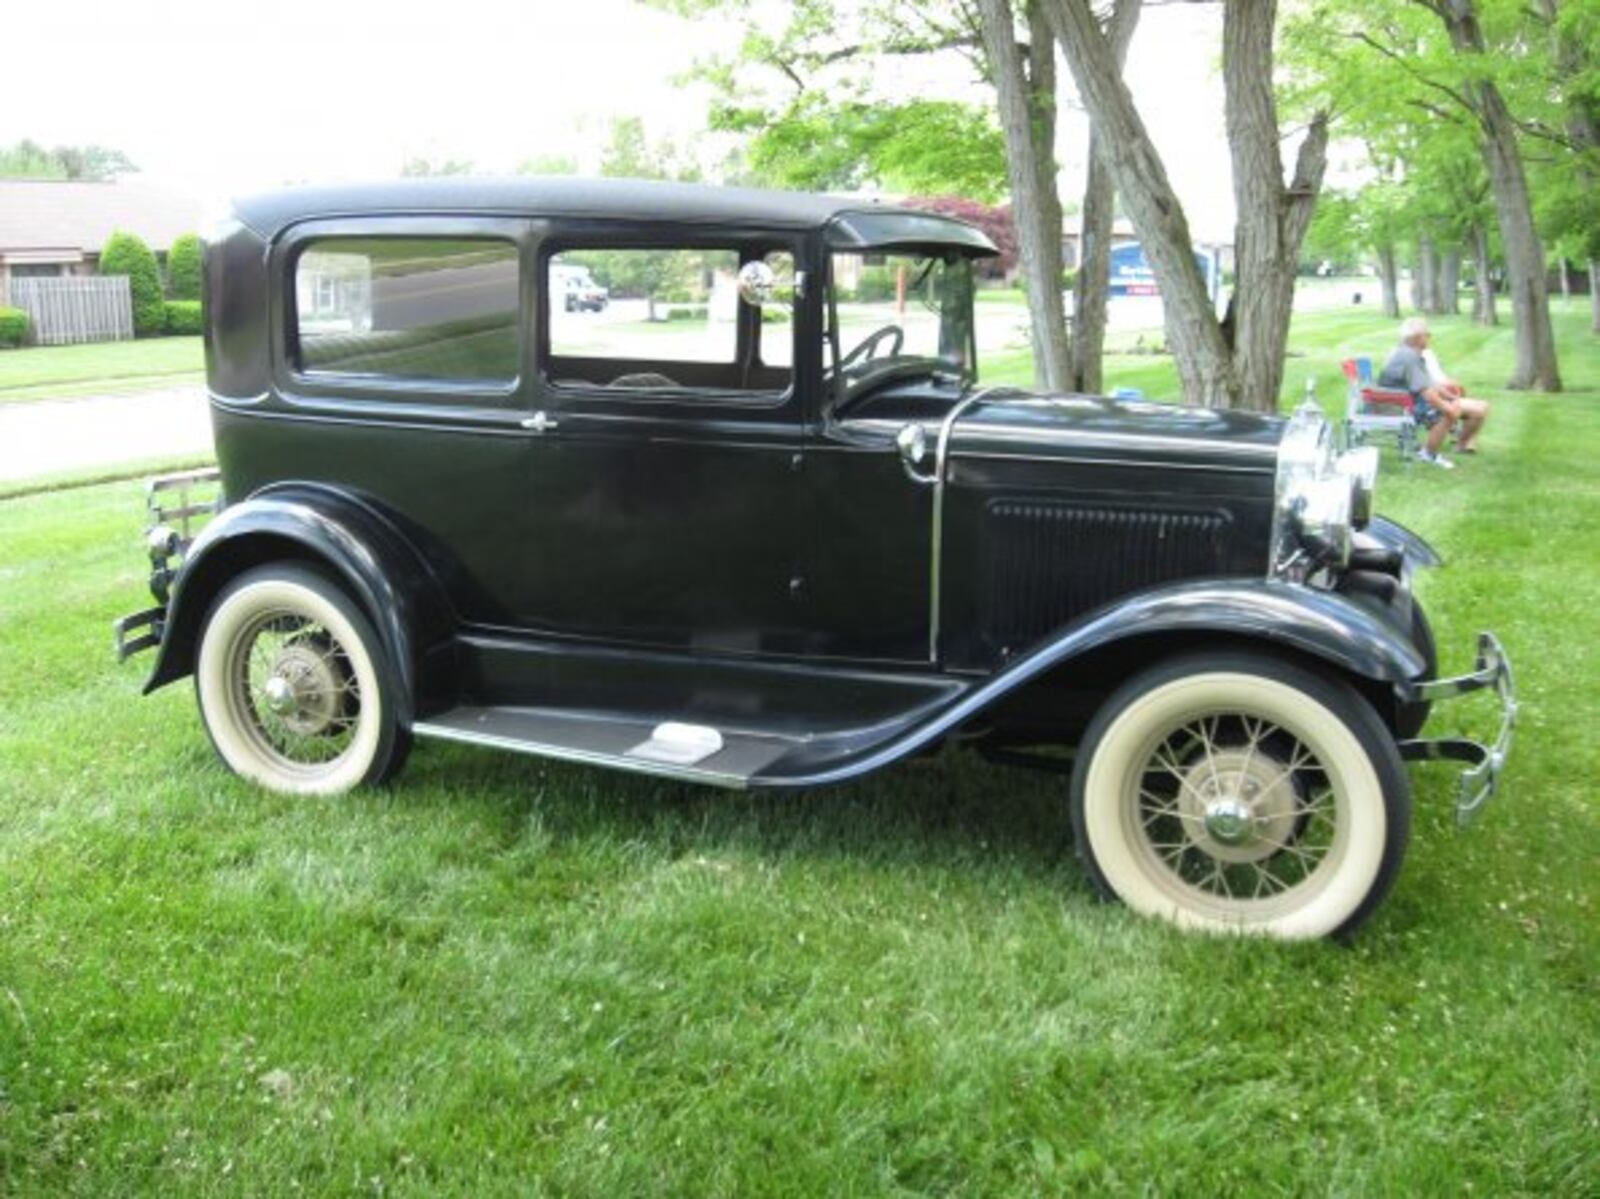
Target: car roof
{"points": [[852, 221]]}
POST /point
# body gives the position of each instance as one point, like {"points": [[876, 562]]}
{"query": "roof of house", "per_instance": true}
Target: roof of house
{"points": [[51, 214], [851, 220]]}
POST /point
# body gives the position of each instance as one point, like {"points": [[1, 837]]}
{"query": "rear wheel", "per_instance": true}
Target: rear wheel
{"points": [[1236, 792], [294, 686]]}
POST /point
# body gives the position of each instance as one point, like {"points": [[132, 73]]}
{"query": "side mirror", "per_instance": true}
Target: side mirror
{"points": [[912, 443], [758, 283]]}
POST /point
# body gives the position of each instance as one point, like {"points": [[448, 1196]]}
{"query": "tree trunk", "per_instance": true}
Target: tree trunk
{"points": [[1388, 282], [1594, 296], [1032, 200], [1448, 298], [1425, 276], [1271, 219], [1483, 308], [1205, 366], [1566, 280], [1041, 84], [1525, 269], [1090, 289]]}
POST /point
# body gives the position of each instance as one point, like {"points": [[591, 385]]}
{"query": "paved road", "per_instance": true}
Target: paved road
{"points": [[50, 437]]}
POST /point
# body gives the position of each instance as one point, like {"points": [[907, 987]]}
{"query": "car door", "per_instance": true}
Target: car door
{"points": [[663, 496], [399, 344]]}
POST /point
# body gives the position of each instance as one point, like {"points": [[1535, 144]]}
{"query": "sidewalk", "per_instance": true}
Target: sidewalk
{"points": [[52, 437]]}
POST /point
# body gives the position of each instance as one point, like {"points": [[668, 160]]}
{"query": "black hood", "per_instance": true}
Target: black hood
{"points": [[1075, 427]]}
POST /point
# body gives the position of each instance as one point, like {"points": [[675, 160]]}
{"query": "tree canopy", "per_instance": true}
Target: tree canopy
{"points": [[29, 160]]}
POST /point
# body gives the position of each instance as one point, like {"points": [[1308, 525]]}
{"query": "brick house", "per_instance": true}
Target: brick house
{"points": [[52, 227]]}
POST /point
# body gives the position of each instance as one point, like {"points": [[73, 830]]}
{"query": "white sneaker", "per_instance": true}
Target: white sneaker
{"points": [[1438, 460]]}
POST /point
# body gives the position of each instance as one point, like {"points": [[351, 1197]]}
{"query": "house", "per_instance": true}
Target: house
{"points": [[51, 227]]}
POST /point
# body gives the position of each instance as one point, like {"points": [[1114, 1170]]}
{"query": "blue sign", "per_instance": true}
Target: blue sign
{"points": [[1131, 274]]}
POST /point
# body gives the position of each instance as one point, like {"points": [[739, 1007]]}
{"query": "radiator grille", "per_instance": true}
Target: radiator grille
{"points": [[1045, 563]]}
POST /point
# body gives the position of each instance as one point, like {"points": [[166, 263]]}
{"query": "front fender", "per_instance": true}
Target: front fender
{"points": [[1393, 535], [382, 571], [1322, 624]]}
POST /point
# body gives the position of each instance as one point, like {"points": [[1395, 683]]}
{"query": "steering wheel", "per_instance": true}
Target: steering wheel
{"points": [[867, 349]]}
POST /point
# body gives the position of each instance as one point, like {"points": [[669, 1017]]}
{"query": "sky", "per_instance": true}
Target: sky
{"points": [[221, 97]]}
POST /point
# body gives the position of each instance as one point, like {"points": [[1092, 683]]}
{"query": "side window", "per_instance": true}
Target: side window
{"points": [[408, 308], [663, 319], [777, 318]]}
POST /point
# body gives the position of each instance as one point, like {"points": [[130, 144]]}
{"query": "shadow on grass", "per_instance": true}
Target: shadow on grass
{"points": [[951, 809]]}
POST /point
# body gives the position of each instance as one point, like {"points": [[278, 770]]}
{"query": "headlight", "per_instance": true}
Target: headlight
{"points": [[1318, 499], [1321, 510], [1360, 466]]}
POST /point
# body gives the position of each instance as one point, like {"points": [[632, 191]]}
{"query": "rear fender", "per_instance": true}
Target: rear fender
{"points": [[348, 537]]}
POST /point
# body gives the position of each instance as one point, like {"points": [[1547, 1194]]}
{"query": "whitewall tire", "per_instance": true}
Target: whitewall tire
{"points": [[294, 686], [1241, 793]]}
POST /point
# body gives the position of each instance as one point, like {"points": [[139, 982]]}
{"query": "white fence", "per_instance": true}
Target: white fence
{"points": [[65, 311]]}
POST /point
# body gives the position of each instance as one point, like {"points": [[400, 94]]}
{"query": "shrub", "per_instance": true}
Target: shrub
{"points": [[687, 312], [183, 317], [13, 327], [125, 254], [183, 268]]}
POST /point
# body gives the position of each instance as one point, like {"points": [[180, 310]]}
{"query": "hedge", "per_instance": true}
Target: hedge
{"points": [[183, 317], [183, 268], [13, 326], [125, 254]]}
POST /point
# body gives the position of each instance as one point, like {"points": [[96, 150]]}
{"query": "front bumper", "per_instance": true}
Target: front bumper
{"points": [[1485, 762]]}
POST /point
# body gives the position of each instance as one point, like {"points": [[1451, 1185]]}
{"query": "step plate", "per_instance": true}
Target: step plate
{"points": [[602, 740]]}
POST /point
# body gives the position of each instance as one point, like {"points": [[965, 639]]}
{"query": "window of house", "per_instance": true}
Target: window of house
{"points": [[664, 320], [408, 308]]}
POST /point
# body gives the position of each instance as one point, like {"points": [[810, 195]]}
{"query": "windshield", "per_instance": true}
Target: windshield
{"points": [[899, 313]]}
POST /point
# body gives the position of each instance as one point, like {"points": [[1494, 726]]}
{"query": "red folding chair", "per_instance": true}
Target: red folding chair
{"points": [[1372, 409]]}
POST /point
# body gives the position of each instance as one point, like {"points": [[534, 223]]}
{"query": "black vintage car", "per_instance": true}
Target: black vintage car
{"points": [[759, 524]]}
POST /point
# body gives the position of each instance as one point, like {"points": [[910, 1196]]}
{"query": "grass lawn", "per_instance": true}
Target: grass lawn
{"points": [[48, 372], [503, 976]]}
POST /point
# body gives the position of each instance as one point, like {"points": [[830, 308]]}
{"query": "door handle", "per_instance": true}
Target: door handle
{"points": [[539, 422], [911, 443]]}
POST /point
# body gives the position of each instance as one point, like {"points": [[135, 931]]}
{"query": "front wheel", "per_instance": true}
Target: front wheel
{"points": [[295, 689], [1237, 792]]}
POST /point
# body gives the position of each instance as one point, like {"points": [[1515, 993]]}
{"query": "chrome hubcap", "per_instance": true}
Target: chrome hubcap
{"points": [[301, 698], [1235, 806], [279, 694], [1230, 821]]}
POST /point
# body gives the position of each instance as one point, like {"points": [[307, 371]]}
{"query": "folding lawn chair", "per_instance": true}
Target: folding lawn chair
{"points": [[1373, 409]]}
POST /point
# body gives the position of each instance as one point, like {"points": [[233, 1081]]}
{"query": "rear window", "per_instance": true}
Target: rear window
{"points": [[408, 308]]}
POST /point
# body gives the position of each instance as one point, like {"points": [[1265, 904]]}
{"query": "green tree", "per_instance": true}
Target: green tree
{"points": [[183, 268], [1434, 85], [126, 254], [422, 167], [630, 154], [918, 146], [548, 164], [29, 160]]}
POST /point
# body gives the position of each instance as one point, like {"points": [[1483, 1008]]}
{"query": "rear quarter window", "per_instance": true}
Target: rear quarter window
{"points": [[408, 308]]}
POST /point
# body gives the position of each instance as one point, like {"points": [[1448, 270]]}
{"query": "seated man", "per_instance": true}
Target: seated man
{"points": [[1473, 412], [1407, 371]]}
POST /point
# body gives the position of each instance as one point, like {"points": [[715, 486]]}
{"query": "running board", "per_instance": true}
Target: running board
{"points": [[692, 752]]}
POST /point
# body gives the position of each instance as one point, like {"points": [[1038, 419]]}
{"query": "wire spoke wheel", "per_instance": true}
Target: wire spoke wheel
{"points": [[293, 685], [1236, 807], [1235, 792], [296, 688]]}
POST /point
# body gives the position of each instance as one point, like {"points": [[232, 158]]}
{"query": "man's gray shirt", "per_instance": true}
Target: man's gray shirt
{"points": [[1406, 371]]}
